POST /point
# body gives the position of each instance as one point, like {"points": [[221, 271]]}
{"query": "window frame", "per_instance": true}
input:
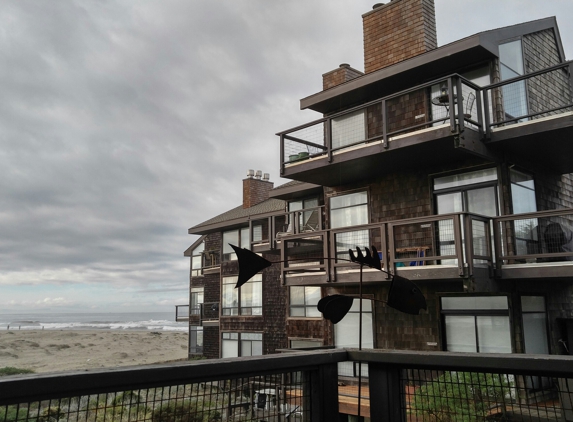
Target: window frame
{"points": [[239, 341], [241, 310], [194, 347], [197, 257], [475, 313], [304, 306], [243, 241]]}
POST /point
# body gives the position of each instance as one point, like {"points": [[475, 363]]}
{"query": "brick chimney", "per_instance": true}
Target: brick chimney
{"points": [[397, 31], [340, 75], [255, 189]]}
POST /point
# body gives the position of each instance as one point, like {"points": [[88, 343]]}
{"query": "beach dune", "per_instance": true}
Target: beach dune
{"points": [[62, 350]]}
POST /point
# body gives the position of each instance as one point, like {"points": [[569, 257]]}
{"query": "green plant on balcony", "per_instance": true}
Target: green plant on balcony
{"points": [[463, 397]]}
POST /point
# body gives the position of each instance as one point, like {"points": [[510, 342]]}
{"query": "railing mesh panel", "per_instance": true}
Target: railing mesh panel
{"points": [[477, 396], [296, 151], [537, 240], [257, 398]]}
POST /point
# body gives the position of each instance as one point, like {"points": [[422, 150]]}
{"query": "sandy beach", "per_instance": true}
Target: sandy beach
{"points": [[63, 350]]}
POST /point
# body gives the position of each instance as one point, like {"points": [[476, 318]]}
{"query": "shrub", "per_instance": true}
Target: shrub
{"points": [[176, 412], [13, 413], [51, 414], [461, 396], [10, 370]]}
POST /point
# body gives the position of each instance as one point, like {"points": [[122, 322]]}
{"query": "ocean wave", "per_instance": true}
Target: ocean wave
{"points": [[114, 322]]}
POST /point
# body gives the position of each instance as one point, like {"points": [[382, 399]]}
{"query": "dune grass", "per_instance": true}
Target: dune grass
{"points": [[10, 370]]}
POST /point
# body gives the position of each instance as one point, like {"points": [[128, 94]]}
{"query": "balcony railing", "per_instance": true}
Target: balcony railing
{"points": [[210, 262], [268, 232], [436, 247], [453, 101], [181, 313], [304, 386], [539, 242]]}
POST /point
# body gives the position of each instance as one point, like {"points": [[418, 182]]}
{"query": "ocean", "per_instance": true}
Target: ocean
{"points": [[152, 321]]}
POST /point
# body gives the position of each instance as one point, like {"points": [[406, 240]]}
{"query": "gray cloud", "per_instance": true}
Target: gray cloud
{"points": [[124, 123]]}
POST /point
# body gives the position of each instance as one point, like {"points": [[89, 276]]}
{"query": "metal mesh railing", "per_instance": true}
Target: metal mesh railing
{"points": [[536, 238], [534, 96], [255, 398], [304, 143], [480, 396]]}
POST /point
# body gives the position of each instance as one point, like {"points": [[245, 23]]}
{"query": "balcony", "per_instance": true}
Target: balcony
{"points": [[210, 263], [268, 232], [534, 245], [402, 130], [439, 247], [181, 313], [304, 386]]}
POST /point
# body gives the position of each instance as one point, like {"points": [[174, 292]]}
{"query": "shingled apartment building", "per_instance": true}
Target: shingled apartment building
{"points": [[455, 162]]}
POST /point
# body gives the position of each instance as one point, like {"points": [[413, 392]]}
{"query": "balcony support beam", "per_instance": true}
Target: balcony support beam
{"points": [[385, 386]]}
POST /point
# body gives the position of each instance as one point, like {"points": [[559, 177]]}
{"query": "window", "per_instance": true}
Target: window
{"points": [[534, 324], [534, 319], [196, 300], [305, 343], [239, 237], [348, 129], [522, 192], [197, 260], [346, 334], [195, 339], [474, 191], [477, 324], [347, 211], [307, 220], [241, 344], [523, 200], [303, 301], [511, 66], [247, 300]]}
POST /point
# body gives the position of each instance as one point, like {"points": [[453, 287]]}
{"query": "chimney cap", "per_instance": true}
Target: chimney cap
{"points": [[250, 173], [266, 176], [258, 174], [344, 65], [377, 5]]}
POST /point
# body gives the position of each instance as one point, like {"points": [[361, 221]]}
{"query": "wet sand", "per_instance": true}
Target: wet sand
{"points": [[63, 350]]}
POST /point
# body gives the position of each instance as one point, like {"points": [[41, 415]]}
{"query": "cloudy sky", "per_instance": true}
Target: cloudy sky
{"points": [[124, 123]]}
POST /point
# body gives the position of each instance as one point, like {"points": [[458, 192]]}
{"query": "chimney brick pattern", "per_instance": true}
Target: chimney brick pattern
{"points": [[255, 191], [338, 76], [397, 31]]}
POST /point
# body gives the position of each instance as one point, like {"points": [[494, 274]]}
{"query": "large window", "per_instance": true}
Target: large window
{"points": [[247, 300], [303, 301], [241, 344], [239, 237], [511, 66], [477, 324], [197, 260], [347, 211]]}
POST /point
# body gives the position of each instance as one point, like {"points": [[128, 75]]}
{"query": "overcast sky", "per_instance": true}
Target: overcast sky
{"points": [[124, 123]]}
